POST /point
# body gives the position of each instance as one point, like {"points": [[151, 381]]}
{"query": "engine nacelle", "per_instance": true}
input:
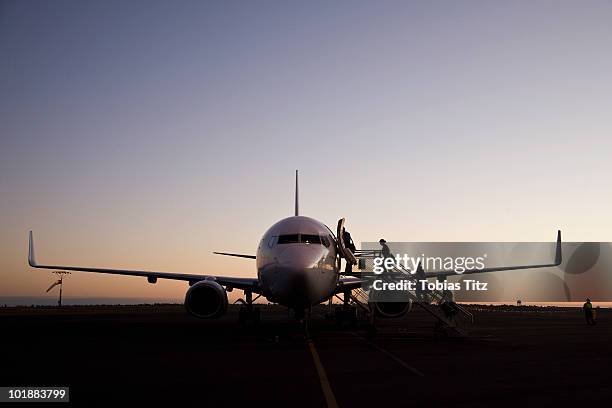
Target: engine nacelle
{"points": [[206, 299], [392, 309]]}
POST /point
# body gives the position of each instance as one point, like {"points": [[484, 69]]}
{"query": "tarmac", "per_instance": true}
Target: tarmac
{"points": [[158, 355]]}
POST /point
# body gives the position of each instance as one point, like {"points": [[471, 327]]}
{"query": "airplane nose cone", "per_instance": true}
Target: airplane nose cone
{"points": [[290, 277]]}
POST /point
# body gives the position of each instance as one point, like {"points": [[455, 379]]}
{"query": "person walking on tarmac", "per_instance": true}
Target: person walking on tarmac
{"points": [[588, 312], [350, 245]]}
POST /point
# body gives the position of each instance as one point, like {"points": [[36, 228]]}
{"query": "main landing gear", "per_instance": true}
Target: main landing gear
{"points": [[355, 314], [347, 313]]}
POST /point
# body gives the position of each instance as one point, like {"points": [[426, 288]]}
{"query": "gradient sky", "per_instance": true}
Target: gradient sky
{"points": [[148, 134]]}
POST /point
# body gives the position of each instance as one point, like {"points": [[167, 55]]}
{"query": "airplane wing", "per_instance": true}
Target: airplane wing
{"points": [[444, 273], [557, 262], [231, 282]]}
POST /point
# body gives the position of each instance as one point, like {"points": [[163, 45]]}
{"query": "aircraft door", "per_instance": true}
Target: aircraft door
{"points": [[344, 252]]}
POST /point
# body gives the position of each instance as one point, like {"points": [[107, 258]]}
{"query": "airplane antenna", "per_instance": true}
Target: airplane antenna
{"points": [[60, 282], [297, 207]]}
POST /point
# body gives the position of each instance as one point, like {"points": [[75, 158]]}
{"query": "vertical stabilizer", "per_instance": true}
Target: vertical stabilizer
{"points": [[297, 196], [558, 255]]}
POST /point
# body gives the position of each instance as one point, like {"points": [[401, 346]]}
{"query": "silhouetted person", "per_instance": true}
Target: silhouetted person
{"points": [[588, 312], [350, 245], [448, 305], [385, 251]]}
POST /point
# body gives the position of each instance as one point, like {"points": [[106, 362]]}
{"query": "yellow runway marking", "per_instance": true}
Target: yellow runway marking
{"points": [[325, 387]]}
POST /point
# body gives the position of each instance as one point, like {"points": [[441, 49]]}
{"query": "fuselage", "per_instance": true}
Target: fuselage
{"points": [[297, 262]]}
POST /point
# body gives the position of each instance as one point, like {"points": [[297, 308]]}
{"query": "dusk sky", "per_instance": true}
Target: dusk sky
{"points": [[145, 134]]}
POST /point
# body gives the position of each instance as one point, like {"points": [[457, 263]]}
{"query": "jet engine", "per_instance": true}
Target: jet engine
{"points": [[206, 300], [392, 309]]}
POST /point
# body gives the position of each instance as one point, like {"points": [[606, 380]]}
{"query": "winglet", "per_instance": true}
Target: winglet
{"points": [[31, 256], [558, 255], [297, 197]]}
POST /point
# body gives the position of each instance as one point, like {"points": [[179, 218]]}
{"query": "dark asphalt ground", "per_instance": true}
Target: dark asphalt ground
{"points": [[159, 356]]}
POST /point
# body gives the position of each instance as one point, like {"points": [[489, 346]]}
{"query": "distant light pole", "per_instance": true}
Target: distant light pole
{"points": [[60, 282]]}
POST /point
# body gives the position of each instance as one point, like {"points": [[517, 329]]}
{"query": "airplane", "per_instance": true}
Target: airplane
{"points": [[298, 262]]}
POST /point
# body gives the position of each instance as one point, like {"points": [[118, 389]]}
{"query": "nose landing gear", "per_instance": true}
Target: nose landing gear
{"points": [[248, 313]]}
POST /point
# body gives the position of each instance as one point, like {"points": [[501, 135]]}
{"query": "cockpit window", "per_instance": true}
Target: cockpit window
{"points": [[271, 241], [303, 238], [310, 239], [288, 239]]}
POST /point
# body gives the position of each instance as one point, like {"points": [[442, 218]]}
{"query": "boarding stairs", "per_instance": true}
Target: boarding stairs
{"points": [[430, 301]]}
